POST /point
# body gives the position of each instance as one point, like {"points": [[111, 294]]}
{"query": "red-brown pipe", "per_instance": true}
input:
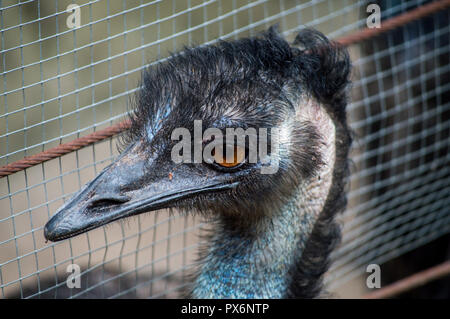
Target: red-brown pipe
{"points": [[411, 282]]}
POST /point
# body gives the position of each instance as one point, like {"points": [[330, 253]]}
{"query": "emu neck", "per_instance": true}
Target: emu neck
{"points": [[257, 261]]}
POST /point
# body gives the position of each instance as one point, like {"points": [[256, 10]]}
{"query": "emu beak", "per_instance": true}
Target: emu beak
{"points": [[131, 185]]}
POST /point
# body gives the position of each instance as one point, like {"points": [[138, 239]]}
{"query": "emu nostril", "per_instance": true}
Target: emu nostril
{"points": [[107, 200]]}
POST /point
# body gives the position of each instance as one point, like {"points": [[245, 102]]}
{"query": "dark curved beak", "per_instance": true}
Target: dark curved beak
{"points": [[135, 183]]}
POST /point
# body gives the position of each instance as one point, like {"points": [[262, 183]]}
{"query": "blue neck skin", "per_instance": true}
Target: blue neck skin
{"points": [[239, 265]]}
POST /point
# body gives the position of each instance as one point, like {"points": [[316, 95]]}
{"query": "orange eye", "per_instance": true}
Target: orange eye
{"points": [[230, 160]]}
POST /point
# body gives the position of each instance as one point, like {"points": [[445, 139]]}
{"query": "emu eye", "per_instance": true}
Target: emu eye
{"points": [[228, 160]]}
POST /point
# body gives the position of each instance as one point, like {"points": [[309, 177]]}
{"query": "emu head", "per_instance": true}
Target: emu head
{"points": [[261, 82]]}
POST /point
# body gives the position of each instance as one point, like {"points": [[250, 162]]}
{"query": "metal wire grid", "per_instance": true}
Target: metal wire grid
{"points": [[96, 75], [400, 110]]}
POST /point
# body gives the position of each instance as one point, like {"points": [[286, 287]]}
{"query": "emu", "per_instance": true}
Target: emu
{"points": [[273, 233]]}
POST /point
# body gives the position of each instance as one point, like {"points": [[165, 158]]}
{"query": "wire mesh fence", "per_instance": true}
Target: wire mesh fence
{"points": [[60, 83]]}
